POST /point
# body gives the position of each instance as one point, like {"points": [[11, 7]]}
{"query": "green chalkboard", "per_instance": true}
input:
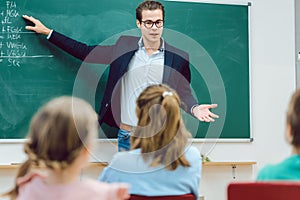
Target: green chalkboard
{"points": [[32, 70]]}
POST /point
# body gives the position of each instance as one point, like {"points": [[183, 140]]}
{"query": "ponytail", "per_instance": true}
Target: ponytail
{"points": [[160, 133], [23, 170], [173, 115]]}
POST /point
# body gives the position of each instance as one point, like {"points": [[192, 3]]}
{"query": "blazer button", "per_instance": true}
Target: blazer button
{"points": [[106, 105]]}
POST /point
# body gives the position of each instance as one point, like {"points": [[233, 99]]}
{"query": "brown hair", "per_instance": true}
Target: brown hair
{"points": [[148, 5], [293, 117], [58, 131], [160, 133]]}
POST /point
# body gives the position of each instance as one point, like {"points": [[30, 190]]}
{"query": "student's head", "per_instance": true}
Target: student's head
{"points": [[147, 13], [160, 131], [293, 119], [61, 130]]}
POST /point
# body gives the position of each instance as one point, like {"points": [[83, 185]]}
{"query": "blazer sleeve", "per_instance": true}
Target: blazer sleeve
{"points": [[177, 74], [180, 80], [91, 54], [184, 88]]}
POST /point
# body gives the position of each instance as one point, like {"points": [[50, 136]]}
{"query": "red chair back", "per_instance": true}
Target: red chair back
{"points": [[279, 190], [177, 197]]}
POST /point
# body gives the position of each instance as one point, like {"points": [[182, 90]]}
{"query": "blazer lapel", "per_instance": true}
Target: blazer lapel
{"points": [[167, 66], [125, 62], [126, 49]]}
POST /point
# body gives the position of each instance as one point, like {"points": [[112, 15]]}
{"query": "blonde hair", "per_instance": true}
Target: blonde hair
{"points": [[160, 133], [58, 131]]}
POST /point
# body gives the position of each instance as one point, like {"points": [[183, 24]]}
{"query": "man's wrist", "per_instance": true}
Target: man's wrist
{"points": [[49, 35], [192, 108]]}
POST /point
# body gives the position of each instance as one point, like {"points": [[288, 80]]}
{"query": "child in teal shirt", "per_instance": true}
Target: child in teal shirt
{"points": [[288, 169]]}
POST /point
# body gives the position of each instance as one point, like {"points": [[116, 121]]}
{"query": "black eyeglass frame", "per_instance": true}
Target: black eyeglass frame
{"points": [[152, 23]]}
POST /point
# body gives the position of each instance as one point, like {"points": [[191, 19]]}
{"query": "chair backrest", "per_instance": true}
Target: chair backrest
{"points": [[279, 190], [177, 197]]}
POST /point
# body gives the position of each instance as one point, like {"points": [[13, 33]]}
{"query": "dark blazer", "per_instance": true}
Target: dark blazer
{"points": [[176, 70]]}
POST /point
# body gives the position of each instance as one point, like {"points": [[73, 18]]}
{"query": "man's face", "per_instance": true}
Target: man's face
{"points": [[153, 34]]}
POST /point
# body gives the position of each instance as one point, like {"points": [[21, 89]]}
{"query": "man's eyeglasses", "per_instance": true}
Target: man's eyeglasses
{"points": [[149, 24]]}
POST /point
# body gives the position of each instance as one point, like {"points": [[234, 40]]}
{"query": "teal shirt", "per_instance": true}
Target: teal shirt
{"points": [[288, 169]]}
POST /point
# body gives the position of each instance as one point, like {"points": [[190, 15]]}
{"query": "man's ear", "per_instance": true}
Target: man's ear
{"points": [[288, 133], [138, 24], [85, 150]]}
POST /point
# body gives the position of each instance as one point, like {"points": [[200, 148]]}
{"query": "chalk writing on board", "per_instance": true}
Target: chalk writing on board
{"points": [[13, 48]]}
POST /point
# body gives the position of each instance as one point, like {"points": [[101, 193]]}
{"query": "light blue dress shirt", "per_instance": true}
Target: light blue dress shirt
{"points": [[143, 71], [130, 167]]}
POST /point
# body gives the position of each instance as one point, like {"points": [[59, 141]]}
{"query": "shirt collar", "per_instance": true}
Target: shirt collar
{"points": [[162, 44]]}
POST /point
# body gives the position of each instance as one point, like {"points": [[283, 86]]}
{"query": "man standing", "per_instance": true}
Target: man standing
{"points": [[135, 63]]}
